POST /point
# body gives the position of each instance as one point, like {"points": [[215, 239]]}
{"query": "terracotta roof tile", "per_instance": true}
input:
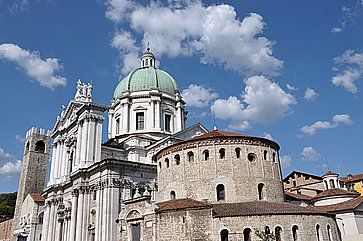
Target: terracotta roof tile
{"points": [[298, 196], [37, 197], [353, 178], [335, 192], [218, 133], [343, 206], [261, 208], [181, 204]]}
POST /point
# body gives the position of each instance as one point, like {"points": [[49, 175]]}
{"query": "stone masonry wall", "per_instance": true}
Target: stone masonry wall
{"points": [[198, 179]]}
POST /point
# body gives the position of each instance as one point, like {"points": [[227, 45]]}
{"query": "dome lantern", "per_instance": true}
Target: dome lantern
{"points": [[148, 59]]}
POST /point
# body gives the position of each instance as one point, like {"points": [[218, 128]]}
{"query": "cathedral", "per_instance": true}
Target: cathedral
{"points": [[154, 178]]}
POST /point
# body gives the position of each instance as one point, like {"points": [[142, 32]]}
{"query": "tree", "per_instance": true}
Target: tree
{"points": [[265, 235]]}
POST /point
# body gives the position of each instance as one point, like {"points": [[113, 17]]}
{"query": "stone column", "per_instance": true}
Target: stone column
{"points": [[72, 235], [110, 133], [55, 160], [52, 166], [126, 115], [158, 115], [78, 147], [91, 141], [50, 233], [58, 230], [85, 215], [153, 113], [80, 216], [104, 215], [85, 130], [98, 141], [46, 221], [98, 215]]}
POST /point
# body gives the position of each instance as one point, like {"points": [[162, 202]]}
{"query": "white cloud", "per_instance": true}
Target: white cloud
{"points": [[268, 136], [263, 101], [286, 161], [19, 138], [198, 96], [290, 87], [117, 10], [4, 156], [336, 30], [344, 118], [241, 126], [310, 94], [309, 154], [322, 125], [11, 170], [184, 28], [42, 71], [352, 63]]}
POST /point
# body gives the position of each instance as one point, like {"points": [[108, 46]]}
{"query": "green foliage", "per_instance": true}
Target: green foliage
{"points": [[7, 205], [265, 236]]}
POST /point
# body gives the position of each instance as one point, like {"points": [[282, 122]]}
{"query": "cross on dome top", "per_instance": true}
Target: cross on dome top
{"points": [[148, 58]]}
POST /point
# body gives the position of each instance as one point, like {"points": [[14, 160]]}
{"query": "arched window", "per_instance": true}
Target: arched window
{"points": [[222, 153], [221, 196], [206, 155], [260, 191], [40, 218], [190, 156], [177, 159], [27, 146], [247, 234], [278, 233], [318, 232], [295, 230], [265, 155], [172, 195], [238, 152], [332, 184], [274, 157], [224, 235], [40, 146], [329, 232], [326, 185], [160, 165], [167, 162]]}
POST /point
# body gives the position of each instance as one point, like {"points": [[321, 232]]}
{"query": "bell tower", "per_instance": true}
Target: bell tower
{"points": [[34, 168]]}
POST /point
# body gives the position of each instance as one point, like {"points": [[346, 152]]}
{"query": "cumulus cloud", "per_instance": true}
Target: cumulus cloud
{"points": [[352, 64], [11, 170], [263, 101], [309, 154], [4, 156], [310, 94], [240, 126], [184, 28], [322, 125], [42, 71], [290, 87], [198, 96], [286, 161]]}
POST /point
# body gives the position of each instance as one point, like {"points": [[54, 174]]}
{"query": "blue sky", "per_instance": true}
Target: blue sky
{"points": [[286, 70]]}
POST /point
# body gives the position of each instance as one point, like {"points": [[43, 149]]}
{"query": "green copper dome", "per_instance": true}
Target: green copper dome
{"points": [[146, 78]]}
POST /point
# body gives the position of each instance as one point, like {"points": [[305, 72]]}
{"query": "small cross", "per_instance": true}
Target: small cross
{"points": [[148, 46]]}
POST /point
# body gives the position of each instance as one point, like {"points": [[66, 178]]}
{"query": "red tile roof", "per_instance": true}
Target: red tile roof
{"points": [[218, 133], [343, 206], [353, 178], [37, 197], [261, 208], [335, 192], [298, 196], [181, 204]]}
